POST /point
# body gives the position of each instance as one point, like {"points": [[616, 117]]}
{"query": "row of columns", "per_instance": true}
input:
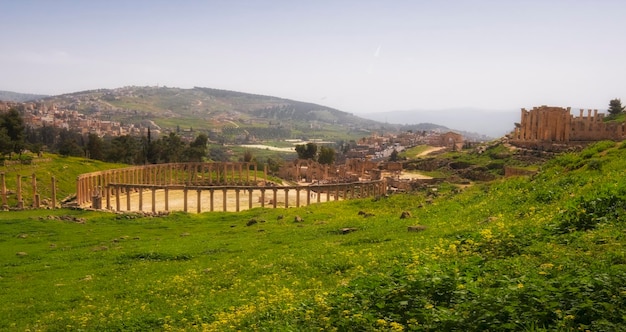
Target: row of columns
{"points": [[120, 194], [92, 184], [556, 124], [36, 198], [545, 124]]}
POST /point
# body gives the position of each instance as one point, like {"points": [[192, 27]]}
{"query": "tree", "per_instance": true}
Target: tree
{"points": [[173, 148], [197, 149], [48, 135], [94, 147], [394, 156], [69, 143], [248, 157], [6, 146], [308, 151], [218, 153], [327, 156], [273, 165], [124, 149], [12, 122], [615, 107]]}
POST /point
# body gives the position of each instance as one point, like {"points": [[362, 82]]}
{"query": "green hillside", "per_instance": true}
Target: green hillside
{"points": [[213, 109], [538, 253]]}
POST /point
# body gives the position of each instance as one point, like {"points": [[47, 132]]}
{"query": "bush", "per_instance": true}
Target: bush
{"points": [[596, 148], [587, 212], [26, 159]]}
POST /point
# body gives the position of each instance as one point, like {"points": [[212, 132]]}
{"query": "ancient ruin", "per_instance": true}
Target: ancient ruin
{"points": [[206, 187], [555, 128]]}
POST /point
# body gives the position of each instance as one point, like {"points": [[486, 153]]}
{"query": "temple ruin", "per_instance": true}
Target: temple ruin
{"points": [[555, 128]]}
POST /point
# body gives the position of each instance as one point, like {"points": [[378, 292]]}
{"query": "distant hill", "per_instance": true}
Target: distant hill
{"points": [[237, 114], [206, 108], [19, 97], [490, 123]]}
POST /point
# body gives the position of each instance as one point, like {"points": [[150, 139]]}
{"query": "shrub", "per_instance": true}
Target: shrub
{"points": [[587, 212], [26, 159]]}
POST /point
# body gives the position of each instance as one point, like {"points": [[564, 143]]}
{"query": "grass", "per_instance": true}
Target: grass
{"points": [[526, 253]]}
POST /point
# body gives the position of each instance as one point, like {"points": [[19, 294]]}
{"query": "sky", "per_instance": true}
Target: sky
{"points": [[355, 56]]}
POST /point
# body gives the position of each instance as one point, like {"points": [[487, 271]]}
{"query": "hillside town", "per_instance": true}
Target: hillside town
{"points": [[40, 114], [97, 120]]}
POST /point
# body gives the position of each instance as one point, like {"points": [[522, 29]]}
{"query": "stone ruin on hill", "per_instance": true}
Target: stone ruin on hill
{"points": [[555, 129]]}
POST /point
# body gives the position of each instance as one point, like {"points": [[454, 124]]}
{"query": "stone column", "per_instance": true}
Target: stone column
{"points": [[185, 199], [168, 175], [286, 198], [128, 189], [308, 196], [35, 194], [167, 198], [209, 171], [275, 197], [237, 199], [250, 198], [78, 190], [117, 197], [140, 199], [224, 198], [20, 203], [153, 192], [297, 197], [53, 191], [240, 173], [247, 173], [262, 197], [211, 195], [199, 201], [217, 173]]}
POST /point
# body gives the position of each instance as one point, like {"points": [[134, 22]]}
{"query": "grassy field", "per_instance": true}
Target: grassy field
{"points": [[529, 253]]}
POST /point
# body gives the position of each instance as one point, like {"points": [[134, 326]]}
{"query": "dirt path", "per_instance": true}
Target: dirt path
{"points": [[430, 150]]}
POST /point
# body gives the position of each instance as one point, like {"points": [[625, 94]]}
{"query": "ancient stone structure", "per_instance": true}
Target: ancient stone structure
{"points": [[36, 190], [450, 140], [198, 174], [205, 186], [306, 170], [310, 171], [555, 128]]}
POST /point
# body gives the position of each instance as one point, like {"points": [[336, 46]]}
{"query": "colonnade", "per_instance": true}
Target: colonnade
{"points": [[198, 187], [157, 198], [94, 184]]}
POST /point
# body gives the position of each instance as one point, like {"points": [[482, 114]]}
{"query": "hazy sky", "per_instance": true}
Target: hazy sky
{"points": [[356, 56]]}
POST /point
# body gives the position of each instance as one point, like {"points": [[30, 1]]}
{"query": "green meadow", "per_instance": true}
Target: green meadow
{"points": [[534, 253]]}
